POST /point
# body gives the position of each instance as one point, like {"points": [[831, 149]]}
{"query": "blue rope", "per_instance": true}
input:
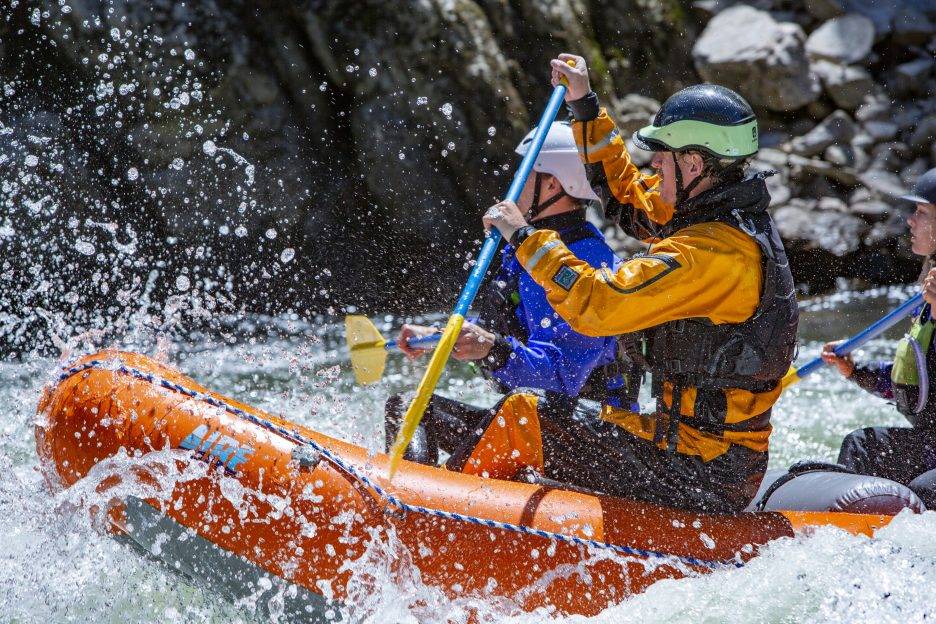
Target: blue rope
{"points": [[393, 500]]}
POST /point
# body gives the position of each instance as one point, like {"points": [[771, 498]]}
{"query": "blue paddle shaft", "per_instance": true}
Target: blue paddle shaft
{"points": [[513, 194], [869, 333], [423, 342]]}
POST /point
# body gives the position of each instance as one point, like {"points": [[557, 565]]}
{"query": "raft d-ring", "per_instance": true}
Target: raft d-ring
{"points": [[307, 457], [395, 509]]}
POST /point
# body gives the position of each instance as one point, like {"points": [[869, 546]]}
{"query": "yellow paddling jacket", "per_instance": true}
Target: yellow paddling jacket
{"points": [[713, 298]]}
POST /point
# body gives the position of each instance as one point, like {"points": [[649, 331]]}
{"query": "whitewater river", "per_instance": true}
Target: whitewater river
{"points": [[54, 567]]}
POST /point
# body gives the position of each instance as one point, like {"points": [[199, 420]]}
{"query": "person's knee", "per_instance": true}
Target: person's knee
{"points": [[854, 448], [518, 407], [924, 486]]}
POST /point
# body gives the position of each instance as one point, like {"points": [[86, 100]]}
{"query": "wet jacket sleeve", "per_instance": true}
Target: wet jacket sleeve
{"points": [[875, 377], [710, 270], [622, 188], [554, 357]]}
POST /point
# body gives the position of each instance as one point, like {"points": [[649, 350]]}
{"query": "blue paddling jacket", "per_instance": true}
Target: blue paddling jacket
{"points": [[534, 347]]}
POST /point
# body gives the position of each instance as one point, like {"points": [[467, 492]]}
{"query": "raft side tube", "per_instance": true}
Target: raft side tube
{"points": [[814, 488]]}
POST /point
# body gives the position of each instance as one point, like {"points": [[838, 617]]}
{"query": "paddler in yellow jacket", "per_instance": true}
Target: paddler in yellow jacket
{"points": [[710, 310]]}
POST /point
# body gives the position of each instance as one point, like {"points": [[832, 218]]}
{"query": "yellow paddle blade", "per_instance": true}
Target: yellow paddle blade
{"points": [[789, 379], [368, 356], [424, 392]]}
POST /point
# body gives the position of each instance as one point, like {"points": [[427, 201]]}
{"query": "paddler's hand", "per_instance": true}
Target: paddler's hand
{"points": [[929, 287], [845, 365], [577, 76], [414, 331], [473, 343], [506, 217]]}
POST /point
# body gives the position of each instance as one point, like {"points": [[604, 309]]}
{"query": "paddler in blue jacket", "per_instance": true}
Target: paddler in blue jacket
{"points": [[516, 338], [903, 454]]}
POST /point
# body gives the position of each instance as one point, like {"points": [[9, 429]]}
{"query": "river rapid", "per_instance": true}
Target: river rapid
{"points": [[56, 567]]}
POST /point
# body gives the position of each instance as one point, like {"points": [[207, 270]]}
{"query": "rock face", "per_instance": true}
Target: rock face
{"points": [[181, 161], [749, 51]]}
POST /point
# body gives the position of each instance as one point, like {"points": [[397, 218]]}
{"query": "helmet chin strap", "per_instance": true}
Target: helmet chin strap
{"points": [[682, 192], [535, 206], [708, 170]]}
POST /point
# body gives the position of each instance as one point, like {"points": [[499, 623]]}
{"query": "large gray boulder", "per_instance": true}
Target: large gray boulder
{"points": [[880, 12], [839, 233], [912, 27], [912, 76], [836, 128], [846, 39], [924, 136], [763, 59], [884, 185], [846, 85], [825, 9]]}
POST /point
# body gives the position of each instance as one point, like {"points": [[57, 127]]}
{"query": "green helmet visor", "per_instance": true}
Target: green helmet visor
{"points": [[738, 141]]}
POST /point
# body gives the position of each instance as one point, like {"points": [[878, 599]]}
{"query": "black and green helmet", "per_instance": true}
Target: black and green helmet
{"points": [[708, 118]]}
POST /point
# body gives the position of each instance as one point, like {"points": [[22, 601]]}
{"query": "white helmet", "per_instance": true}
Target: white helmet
{"points": [[559, 157]]}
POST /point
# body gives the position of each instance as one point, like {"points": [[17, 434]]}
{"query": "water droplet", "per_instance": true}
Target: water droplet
{"points": [[189, 55], [183, 283], [240, 231], [446, 109], [132, 173], [32, 160], [492, 131], [372, 71], [271, 233], [209, 147], [545, 323], [401, 155], [177, 164], [288, 254], [84, 247], [422, 100], [323, 86]]}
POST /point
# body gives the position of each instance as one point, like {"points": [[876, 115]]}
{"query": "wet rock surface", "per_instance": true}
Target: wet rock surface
{"points": [[312, 156]]}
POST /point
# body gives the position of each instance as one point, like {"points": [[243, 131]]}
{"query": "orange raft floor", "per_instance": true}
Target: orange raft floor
{"points": [[306, 504]]}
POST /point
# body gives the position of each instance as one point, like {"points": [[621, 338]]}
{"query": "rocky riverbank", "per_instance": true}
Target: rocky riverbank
{"points": [[308, 156]]}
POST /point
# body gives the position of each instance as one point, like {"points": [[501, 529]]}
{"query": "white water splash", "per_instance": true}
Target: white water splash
{"points": [[211, 149]]}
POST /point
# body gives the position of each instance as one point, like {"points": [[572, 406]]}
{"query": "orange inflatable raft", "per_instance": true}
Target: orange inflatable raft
{"points": [[306, 504]]}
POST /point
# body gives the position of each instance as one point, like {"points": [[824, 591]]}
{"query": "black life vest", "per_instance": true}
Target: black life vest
{"points": [[753, 355]]}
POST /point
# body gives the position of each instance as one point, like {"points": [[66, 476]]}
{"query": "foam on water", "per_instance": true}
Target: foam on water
{"points": [[55, 566]]}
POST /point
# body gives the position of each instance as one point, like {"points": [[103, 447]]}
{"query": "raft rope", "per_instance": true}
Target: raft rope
{"points": [[392, 499]]}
